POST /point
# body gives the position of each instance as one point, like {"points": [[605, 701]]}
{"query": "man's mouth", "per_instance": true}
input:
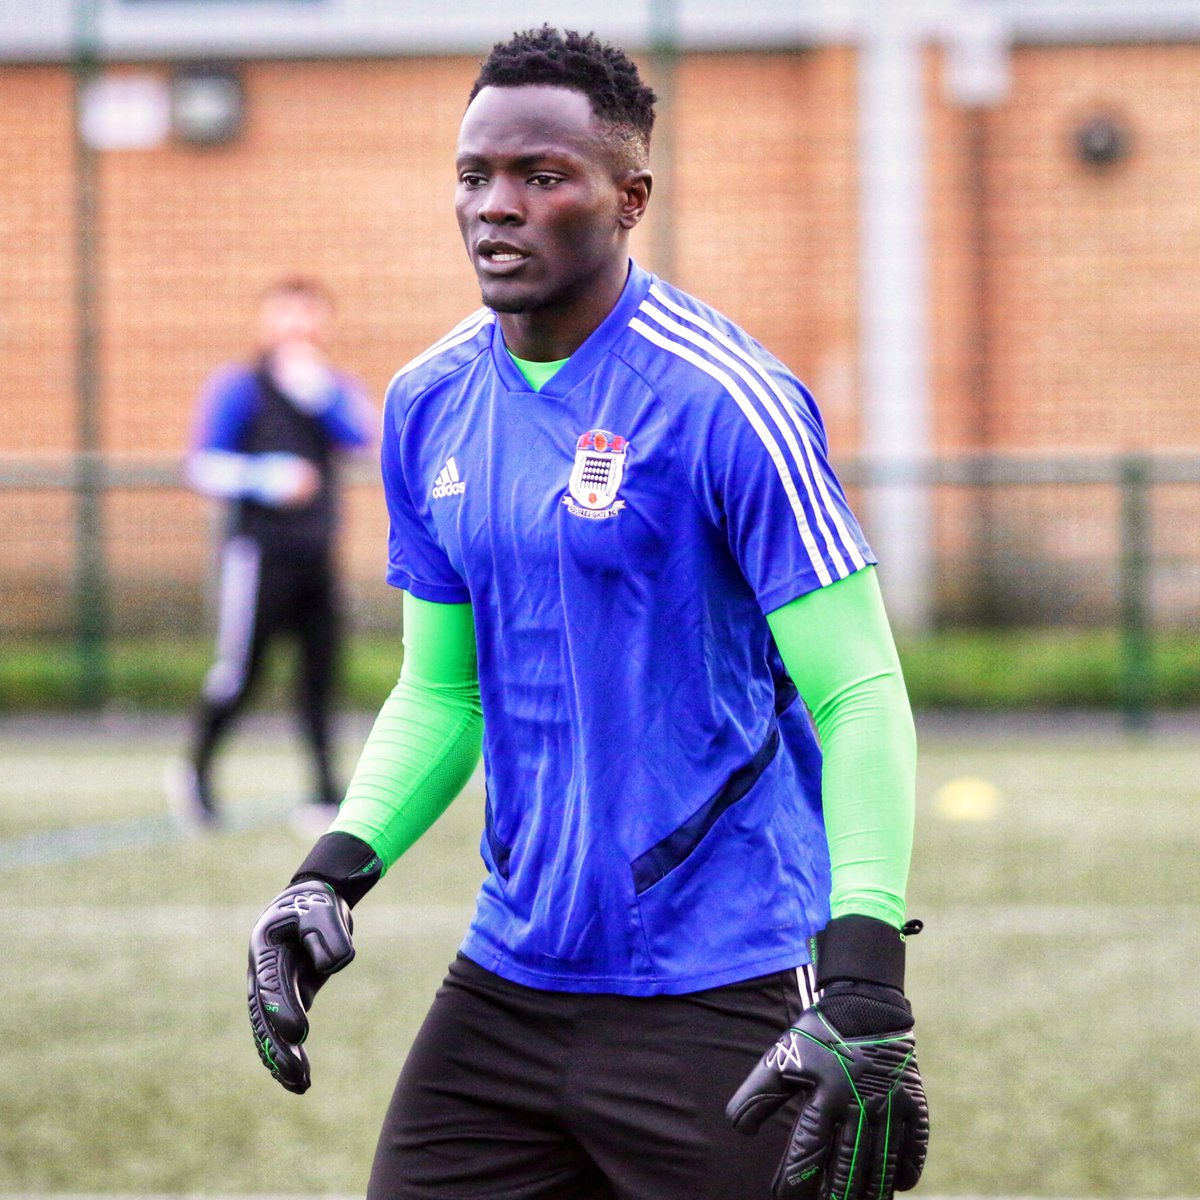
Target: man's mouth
{"points": [[500, 254]]}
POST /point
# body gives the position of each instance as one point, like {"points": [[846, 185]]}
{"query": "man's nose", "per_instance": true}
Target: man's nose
{"points": [[500, 204]]}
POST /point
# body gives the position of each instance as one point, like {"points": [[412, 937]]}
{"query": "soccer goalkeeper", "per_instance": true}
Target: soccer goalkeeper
{"points": [[631, 575]]}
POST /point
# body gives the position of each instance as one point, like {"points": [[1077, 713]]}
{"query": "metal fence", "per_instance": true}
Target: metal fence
{"points": [[100, 549]]}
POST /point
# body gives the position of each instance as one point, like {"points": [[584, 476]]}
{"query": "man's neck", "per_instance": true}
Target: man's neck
{"points": [[557, 331]]}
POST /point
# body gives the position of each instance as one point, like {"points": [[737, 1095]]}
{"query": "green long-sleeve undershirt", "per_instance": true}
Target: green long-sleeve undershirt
{"points": [[425, 742], [836, 645]]}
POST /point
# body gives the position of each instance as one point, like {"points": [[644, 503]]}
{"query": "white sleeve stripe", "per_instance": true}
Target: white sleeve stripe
{"points": [[463, 332], [826, 505], [219, 472], [759, 426], [781, 423], [806, 467], [849, 542]]}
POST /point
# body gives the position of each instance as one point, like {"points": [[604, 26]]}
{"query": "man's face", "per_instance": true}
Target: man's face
{"points": [[293, 318], [541, 202]]}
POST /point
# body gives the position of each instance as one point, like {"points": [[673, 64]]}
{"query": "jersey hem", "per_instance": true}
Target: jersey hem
{"points": [[437, 593], [491, 959], [784, 593]]}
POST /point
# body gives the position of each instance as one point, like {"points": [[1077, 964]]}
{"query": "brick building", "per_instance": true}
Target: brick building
{"points": [[1050, 235]]}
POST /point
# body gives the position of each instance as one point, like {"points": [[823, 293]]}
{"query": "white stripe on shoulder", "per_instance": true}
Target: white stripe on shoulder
{"points": [[810, 471], [481, 316], [464, 331], [709, 346], [759, 426]]}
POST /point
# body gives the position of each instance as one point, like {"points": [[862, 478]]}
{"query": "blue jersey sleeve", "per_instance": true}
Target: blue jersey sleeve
{"points": [[783, 509], [227, 402], [416, 561], [349, 418]]}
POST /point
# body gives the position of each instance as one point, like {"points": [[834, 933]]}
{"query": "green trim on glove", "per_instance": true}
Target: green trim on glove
{"points": [[426, 741], [302, 937], [837, 646], [863, 1125]]}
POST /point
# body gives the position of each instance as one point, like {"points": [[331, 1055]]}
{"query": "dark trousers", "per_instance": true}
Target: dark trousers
{"points": [[266, 593], [514, 1093]]}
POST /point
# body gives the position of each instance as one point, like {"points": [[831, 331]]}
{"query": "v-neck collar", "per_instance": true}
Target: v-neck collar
{"points": [[589, 354]]}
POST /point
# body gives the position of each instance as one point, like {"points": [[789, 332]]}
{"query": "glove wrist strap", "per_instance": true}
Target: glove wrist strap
{"points": [[862, 949], [344, 862]]}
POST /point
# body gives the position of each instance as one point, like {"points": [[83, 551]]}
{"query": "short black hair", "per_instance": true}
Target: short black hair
{"points": [[298, 285], [604, 73]]}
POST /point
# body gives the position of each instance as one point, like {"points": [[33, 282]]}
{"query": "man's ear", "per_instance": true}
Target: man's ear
{"points": [[634, 188]]}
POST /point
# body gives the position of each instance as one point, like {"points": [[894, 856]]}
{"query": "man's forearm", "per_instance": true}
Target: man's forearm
{"points": [[420, 753], [226, 475], [838, 648], [426, 740]]}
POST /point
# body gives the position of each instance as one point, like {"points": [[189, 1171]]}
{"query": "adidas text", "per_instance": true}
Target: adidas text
{"points": [[448, 482]]}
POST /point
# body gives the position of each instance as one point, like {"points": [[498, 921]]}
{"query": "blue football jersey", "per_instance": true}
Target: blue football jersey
{"points": [[653, 815]]}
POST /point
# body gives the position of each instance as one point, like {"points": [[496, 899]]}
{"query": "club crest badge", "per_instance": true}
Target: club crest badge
{"points": [[599, 468]]}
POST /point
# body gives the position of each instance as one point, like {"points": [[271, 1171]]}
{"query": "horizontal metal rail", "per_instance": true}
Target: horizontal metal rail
{"points": [[1021, 469], [1018, 469]]}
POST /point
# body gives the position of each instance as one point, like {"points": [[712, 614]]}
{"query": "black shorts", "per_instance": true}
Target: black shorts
{"points": [[513, 1093]]}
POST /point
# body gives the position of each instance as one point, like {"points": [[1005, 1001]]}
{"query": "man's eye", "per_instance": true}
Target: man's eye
{"points": [[468, 179], [543, 180]]}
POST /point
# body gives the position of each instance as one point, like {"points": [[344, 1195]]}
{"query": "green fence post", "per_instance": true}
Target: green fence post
{"points": [[1136, 679], [91, 582]]}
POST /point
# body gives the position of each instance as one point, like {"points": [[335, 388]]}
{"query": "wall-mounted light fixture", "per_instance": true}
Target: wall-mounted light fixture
{"points": [[208, 104], [1102, 140]]}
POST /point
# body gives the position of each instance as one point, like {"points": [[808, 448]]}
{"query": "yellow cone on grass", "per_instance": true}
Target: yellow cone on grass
{"points": [[967, 799]]}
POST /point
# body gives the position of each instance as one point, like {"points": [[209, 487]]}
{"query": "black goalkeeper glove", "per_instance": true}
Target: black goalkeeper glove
{"points": [[303, 937], [863, 1127]]}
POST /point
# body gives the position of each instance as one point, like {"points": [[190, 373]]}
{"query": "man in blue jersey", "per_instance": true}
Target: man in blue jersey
{"points": [[267, 442], [625, 559]]}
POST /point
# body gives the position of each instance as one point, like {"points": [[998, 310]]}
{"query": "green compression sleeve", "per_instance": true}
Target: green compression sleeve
{"points": [[425, 742], [837, 646]]}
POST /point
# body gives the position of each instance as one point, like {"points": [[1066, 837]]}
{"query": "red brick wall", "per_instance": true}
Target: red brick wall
{"points": [[1066, 310], [345, 172], [1083, 336], [1096, 279], [37, 328], [1092, 276]]}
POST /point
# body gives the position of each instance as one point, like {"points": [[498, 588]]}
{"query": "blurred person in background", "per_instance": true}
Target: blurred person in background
{"points": [[267, 442]]}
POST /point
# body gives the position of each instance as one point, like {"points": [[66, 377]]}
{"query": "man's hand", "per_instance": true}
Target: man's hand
{"points": [[300, 371], [301, 939], [863, 1127], [284, 480]]}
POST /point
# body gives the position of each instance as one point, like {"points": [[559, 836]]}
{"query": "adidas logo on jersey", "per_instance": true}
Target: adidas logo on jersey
{"points": [[448, 483]]}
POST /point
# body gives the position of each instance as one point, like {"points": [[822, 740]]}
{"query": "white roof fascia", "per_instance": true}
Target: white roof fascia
{"points": [[131, 30]]}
